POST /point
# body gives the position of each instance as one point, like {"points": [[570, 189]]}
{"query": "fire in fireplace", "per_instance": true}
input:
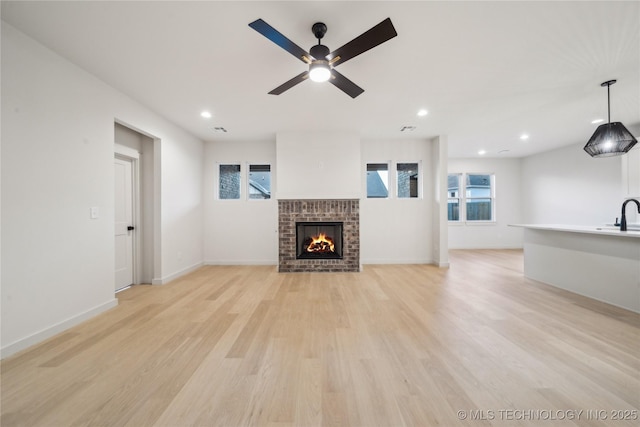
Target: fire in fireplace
{"points": [[319, 240]]}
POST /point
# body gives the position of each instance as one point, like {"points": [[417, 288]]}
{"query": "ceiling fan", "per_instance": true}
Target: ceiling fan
{"points": [[321, 62]]}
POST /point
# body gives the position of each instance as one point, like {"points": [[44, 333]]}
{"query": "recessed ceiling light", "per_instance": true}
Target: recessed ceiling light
{"points": [[482, 152], [422, 113], [596, 121], [524, 137], [206, 115]]}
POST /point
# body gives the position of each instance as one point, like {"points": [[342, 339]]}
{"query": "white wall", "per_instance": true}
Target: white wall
{"points": [[509, 199], [318, 165], [440, 226], [57, 162], [567, 186], [240, 231], [630, 164], [181, 204], [396, 230], [391, 230], [630, 168]]}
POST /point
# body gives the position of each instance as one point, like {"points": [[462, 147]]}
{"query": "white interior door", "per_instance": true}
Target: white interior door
{"points": [[123, 223]]}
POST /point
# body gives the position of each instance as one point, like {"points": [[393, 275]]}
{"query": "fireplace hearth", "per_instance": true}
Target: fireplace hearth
{"points": [[319, 240]]}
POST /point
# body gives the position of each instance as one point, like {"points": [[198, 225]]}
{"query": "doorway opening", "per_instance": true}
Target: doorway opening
{"points": [[142, 151]]}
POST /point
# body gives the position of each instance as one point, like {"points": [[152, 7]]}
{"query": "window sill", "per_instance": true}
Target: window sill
{"points": [[472, 223]]}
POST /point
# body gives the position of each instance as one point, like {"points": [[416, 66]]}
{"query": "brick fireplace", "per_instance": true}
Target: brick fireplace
{"points": [[345, 211]]}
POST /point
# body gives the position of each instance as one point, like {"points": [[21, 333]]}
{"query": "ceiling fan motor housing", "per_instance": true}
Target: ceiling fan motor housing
{"points": [[319, 51]]}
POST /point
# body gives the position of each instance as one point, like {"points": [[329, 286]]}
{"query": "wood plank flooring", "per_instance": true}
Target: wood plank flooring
{"points": [[395, 345]]}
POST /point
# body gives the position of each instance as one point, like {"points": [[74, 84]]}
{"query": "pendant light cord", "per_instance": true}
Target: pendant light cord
{"points": [[608, 85], [608, 104]]}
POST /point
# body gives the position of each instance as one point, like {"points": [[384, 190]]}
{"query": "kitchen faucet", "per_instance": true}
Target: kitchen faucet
{"points": [[623, 221]]}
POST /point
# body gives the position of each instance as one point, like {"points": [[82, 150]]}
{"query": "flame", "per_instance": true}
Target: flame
{"points": [[321, 243]]}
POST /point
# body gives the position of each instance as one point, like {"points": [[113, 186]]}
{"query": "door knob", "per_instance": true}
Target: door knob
{"points": [[131, 227]]}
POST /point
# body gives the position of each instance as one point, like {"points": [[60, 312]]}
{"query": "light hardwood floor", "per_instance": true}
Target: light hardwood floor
{"points": [[394, 345]]}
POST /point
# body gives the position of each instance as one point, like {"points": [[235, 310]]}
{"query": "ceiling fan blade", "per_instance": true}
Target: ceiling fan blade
{"points": [[344, 84], [365, 41], [275, 36], [291, 83]]}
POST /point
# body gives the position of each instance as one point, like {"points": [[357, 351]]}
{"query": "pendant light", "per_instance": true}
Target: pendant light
{"points": [[610, 139]]}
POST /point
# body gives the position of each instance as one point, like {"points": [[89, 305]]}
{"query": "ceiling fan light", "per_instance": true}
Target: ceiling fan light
{"points": [[319, 71], [610, 139]]}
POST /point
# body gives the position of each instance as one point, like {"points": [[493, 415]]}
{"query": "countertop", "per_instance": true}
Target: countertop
{"points": [[606, 230]]}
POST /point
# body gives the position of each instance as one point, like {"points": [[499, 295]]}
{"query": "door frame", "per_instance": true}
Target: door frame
{"points": [[130, 155]]}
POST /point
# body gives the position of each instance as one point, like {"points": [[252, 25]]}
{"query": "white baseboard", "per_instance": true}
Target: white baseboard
{"points": [[472, 247], [396, 261], [242, 262], [38, 337], [166, 279]]}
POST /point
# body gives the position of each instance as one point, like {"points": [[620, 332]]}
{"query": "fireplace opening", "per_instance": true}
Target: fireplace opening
{"points": [[319, 240]]}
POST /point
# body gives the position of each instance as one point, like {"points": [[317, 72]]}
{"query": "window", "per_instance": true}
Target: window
{"points": [[377, 180], [246, 181], [407, 180], [479, 197], [453, 192], [478, 203], [260, 182], [229, 182]]}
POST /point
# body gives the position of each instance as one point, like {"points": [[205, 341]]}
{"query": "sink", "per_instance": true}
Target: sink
{"points": [[630, 227]]}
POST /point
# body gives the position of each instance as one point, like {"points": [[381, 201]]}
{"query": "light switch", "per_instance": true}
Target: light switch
{"points": [[94, 212]]}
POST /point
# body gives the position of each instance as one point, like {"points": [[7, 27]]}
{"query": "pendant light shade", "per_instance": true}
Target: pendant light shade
{"points": [[610, 139]]}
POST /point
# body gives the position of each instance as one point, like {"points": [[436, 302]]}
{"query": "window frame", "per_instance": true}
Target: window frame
{"points": [[418, 184], [459, 198], [491, 197], [388, 183], [464, 200], [248, 181], [219, 176]]}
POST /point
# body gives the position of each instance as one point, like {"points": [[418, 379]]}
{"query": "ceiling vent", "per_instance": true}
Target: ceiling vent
{"points": [[407, 128], [219, 129]]}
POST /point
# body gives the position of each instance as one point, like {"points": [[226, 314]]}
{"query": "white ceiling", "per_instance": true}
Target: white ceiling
{"points": [[486, 71]]}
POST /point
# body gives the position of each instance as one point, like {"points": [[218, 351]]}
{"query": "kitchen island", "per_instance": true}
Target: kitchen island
{"points": [[602, 263]]}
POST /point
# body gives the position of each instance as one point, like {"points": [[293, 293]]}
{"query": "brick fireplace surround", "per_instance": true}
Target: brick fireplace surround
{"points": [[328, 210]]}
